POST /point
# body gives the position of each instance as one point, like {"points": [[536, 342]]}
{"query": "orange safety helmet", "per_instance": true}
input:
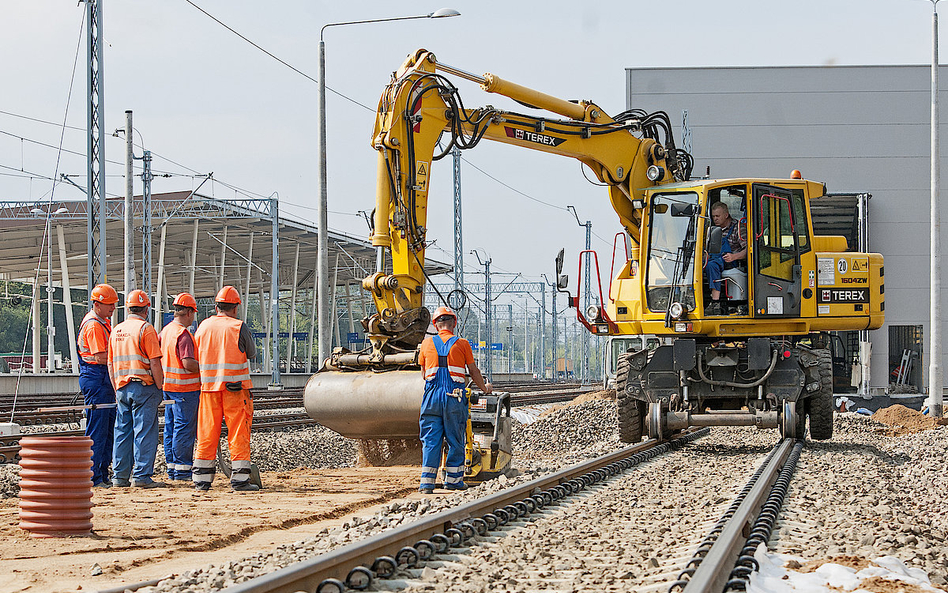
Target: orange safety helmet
{"points": [[442, 311], [186, 300], [228, 295], [105, 294], [137, 298]]}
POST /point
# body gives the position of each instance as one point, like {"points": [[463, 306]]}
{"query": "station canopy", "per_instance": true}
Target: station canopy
{"points": [[198, 243]]}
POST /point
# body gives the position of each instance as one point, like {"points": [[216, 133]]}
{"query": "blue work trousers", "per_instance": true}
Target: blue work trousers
{"points": [[443, 419], [136, 431], [180, 432], [97, 389], [716, 264]]}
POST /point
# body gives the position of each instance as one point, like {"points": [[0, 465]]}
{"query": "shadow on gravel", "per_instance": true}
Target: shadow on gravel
{"points": [[724, 450], [859, 449]]}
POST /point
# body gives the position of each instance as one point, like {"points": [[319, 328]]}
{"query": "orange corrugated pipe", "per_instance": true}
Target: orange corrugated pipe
{"points": [[56, 486]]}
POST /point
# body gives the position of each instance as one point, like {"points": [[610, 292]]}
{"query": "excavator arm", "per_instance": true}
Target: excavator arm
{"points": [[421, 118]]}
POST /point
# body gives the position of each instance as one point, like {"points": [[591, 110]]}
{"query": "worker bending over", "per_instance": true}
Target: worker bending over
{"points": [[183, 385], [94, 381], [224, 346], [135, 368], [445, 360]]}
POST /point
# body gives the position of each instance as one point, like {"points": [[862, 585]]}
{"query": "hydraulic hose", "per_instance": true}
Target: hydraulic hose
{"points": [[773, 365]]}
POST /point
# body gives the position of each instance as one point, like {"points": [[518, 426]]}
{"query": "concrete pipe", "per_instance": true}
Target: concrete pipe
{"points": [[366, 405]]}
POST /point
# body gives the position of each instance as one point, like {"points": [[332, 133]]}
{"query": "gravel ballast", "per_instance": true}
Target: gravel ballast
{"points": [[864, 493]]}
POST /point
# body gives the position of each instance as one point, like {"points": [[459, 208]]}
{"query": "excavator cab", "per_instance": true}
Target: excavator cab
{"points": [[758, 356]]}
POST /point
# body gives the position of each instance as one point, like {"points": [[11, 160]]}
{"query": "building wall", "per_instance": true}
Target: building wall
{"points": [[855, 128]]}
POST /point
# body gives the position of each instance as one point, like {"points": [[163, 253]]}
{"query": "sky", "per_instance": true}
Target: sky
{"points": [[206, 100]]}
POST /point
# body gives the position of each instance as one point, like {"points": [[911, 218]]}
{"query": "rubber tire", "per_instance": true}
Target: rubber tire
{"points": [[820, 404], [631, 412]]}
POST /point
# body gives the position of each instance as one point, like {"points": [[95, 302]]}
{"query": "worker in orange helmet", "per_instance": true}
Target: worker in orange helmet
{"points": [[94, 381], [179, 363], [135, 368], [225, 346], [445, 360]]}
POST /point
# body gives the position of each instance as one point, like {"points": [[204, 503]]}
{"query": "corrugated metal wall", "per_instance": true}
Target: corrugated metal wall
{"points": [[856, 128]]}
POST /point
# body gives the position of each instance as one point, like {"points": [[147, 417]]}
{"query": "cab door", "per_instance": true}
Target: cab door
{"points": [[777, 272]]}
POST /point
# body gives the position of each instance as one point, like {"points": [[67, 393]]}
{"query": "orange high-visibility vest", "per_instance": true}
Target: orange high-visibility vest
{"points": [[457, 358], [91, 323], [127, 352], [221, 360], [177, 378]]}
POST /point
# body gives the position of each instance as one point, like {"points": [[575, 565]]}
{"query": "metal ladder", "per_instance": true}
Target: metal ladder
{"points": [[905, 368]]}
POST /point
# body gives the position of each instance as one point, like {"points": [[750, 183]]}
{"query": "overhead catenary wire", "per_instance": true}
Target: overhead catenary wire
{"points": [[48, 227], [482, 116], [275, 57]]}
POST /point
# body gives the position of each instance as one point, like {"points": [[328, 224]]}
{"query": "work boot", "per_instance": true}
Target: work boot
{"points": [[461, 486], [147, 484], [245, 487], [120, 483], [426, 490], [202, 486], [713, 308]]}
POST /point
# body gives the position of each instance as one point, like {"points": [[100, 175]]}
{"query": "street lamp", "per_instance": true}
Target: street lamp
{"points": [[489, 367], [587, 287], [322, 242], [553, 286], [935, 395], [50, 329]]}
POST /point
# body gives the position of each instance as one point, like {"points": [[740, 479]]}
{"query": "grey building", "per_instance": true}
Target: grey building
{"points": [[855, 128]]}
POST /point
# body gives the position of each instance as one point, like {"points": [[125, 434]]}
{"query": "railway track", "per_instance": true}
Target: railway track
{"points": [[9, 445], [27, 410], [27, 404], [527, 534]]}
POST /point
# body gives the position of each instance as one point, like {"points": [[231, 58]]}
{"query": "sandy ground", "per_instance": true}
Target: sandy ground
{"points": [[145, 534]]}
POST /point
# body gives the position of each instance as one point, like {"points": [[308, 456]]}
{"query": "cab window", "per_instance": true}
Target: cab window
{"points": [[776, 236], [799, 218]]}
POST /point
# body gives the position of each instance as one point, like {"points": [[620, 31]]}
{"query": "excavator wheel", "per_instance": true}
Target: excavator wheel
{"points": [[631, 411], [820, 404]]}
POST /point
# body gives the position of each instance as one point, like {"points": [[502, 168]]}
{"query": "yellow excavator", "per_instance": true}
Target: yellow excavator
{"points": [[758, 356]]}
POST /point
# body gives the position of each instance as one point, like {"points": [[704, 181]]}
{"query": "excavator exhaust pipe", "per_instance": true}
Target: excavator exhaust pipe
{"points": [[366, 405]]}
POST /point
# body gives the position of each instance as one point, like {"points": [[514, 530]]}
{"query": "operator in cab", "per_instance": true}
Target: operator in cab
{"points": [[733, 251], [445, 360]]}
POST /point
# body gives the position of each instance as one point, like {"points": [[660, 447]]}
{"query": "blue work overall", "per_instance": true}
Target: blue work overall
{"points": [[716, 264], [443, 418], [96, 387]]}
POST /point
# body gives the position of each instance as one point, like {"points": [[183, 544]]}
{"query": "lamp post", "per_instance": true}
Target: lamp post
{"points": [[50, 328], [587, 286], [935, 394], [129, 227], [488, 367], [553, 286], [322, 242]]}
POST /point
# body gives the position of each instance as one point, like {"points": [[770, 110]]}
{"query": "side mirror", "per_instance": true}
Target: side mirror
{"points": [[562, 281], [680, 210], [559, 263], [714, 240]]}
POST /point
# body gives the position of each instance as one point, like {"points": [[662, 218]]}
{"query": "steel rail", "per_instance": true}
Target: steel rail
{"points": [[307, 575], [9, 453], [714, 571]]}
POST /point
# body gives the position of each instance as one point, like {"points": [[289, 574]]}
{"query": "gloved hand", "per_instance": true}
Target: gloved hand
{"points": [[489, 390]]}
